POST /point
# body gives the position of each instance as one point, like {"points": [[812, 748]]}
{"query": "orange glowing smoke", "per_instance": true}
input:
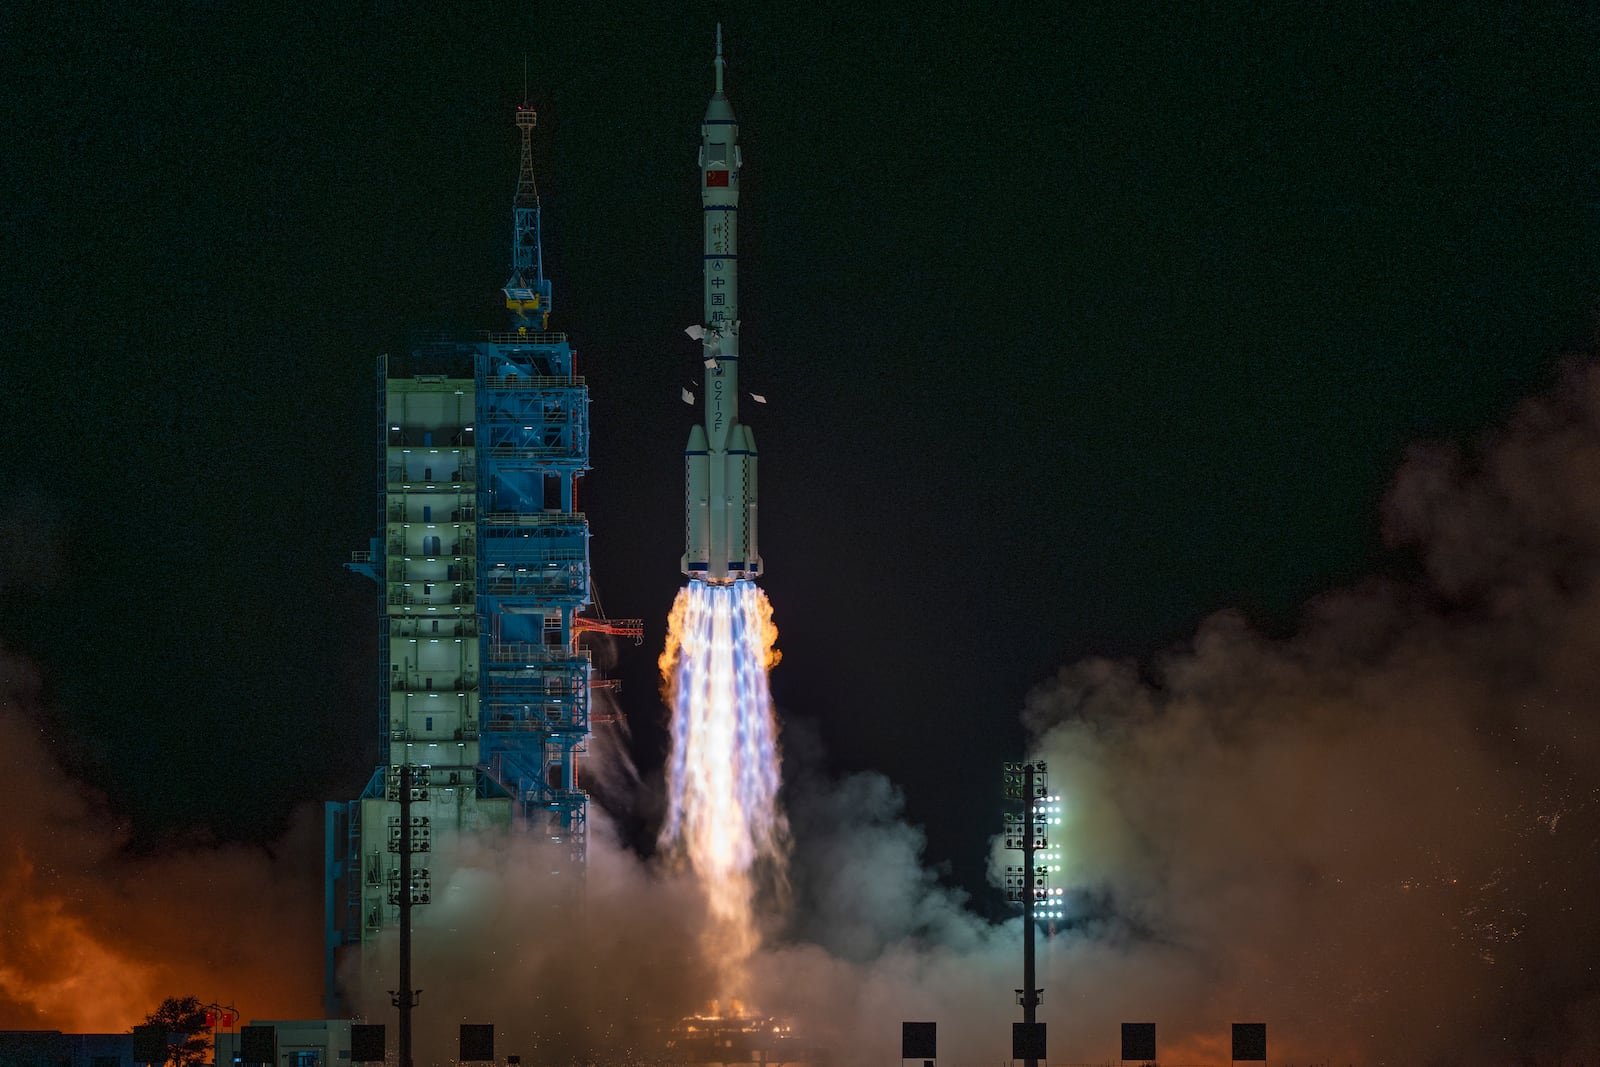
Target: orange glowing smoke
{"points": [[723, 817], [92, 939], [56, 973]]}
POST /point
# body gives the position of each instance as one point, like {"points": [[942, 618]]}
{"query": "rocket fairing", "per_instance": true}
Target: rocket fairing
{"points": [[720, 459]]}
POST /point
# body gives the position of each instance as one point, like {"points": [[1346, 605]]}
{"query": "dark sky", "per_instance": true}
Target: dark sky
{"points": [[1075, 327]]}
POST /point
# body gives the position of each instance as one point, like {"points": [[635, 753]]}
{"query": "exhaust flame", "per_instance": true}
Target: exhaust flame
{"points": [[723, 816]]}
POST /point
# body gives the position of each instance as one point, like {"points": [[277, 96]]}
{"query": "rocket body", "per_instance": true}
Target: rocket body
{"points": [[720, 457]]}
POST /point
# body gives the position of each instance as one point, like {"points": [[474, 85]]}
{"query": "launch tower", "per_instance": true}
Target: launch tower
{"points": [[482, 561]]}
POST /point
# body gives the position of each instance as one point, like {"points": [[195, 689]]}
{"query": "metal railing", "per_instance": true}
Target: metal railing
{"points": [[523, 518], [507, 451], [534, 381], [545, 337], [465, 549], [449, 626], [457, 442], [454, 600], [398, 515], [527, 652], [424, 485], [417, 682], [467, 734], [536, 586], [531, 726]]}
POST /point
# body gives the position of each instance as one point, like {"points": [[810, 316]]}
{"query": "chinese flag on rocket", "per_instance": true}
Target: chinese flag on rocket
{"points": [[716, 177]]}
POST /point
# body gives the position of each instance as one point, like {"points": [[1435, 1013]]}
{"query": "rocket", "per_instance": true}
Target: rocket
{"points": [[720, 459]]}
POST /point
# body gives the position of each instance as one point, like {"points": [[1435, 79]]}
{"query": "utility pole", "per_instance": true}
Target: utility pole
{"points": [[1026, 885], [1030, 994], [410, 888]]}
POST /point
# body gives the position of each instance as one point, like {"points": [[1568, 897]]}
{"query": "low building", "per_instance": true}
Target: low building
{"points": [[52, 1048], [301, 1043]]}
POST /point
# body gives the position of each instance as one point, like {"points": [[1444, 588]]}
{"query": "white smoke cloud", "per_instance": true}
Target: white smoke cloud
{"points": [[1377, 835], [564, 971]]}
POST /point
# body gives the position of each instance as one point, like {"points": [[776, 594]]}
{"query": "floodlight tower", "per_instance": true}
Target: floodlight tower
{"points": [[1028, 834], [408, 887]]}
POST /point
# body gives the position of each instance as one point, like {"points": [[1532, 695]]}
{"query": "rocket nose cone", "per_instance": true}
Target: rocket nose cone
{"points": [[697, 439]]}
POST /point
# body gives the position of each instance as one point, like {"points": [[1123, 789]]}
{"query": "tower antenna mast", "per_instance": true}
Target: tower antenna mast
{"points": [[527, 290]]}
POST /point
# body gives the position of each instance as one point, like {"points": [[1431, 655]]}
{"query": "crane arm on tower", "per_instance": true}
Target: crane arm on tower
{"points": [[633, 628]]}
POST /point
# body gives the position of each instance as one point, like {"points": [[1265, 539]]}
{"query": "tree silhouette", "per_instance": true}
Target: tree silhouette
{"points": [[185, 1017]]}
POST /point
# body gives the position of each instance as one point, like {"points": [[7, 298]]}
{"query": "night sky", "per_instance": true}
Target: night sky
{"points": [[1075, 327]]}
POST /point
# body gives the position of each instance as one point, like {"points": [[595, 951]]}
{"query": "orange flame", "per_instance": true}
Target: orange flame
{"points": [[723, 773]]}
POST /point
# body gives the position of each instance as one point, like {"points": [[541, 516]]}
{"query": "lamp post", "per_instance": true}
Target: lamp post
{"points": [[228, 1016], [1028, 833], [406, 784]]}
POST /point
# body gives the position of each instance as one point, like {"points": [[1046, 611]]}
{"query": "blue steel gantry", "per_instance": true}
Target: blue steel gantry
{"points": [[483, 565]]}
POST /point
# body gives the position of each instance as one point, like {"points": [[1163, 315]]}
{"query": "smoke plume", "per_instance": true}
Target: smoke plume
{"points": [[93, 937], [1378, 835], [567, 973]]}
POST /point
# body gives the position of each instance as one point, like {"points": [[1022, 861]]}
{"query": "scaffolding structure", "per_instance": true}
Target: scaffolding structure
{"points": [[534, 577], [482, 565]]}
